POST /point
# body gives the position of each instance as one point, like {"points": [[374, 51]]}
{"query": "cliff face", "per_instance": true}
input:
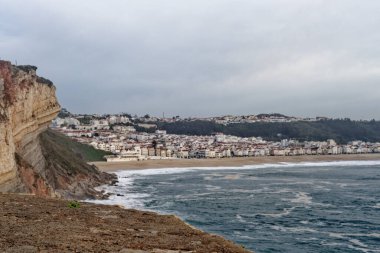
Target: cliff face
{"points": [[27, 106]]}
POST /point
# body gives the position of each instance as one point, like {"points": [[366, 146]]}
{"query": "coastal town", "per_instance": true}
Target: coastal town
{"points": [[117, 135]]}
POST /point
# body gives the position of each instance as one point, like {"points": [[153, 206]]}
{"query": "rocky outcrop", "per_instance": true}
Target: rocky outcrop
{"points": [[35, 224], [27, 105]]}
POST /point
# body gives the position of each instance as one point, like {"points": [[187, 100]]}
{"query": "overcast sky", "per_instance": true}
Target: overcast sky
{"points": [[202, 58]]}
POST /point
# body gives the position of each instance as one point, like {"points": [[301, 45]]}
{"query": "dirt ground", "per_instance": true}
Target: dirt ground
{"points": [[34, 224]]}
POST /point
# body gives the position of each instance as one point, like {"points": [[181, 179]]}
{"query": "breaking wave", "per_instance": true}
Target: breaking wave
{"points": [[302, 207]]}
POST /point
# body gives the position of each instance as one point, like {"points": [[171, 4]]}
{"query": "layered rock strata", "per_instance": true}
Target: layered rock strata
{"points": [[27, 105]]}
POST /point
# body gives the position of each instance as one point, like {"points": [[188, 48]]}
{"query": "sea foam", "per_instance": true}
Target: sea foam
{"points": [[122, 193], [282, 201], [175, 170]]}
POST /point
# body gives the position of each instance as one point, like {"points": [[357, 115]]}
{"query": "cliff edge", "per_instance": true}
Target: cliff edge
{"points": [[27, 105], [38, 224]]}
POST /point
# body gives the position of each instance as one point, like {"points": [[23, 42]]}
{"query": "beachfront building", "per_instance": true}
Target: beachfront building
{"points": [[127, 144]]}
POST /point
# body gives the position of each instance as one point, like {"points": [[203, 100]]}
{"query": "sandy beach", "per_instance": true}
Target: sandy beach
{"points": [[227, 162]]}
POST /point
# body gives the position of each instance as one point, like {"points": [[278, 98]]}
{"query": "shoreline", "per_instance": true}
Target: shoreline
{"points": [[228, 162]]}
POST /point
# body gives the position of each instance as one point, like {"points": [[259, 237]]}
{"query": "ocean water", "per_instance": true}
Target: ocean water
{"points": [[309, 207]]}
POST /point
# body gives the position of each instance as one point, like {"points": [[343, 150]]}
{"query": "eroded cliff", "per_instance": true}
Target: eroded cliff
{"points": [[27, 105]]}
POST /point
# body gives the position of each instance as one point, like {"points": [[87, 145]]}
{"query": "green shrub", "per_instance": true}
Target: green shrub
{"points": [[73, 204]]}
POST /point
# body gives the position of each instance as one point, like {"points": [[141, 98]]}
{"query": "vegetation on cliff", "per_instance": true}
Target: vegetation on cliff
{"points": [[66, 169], [78, 150]]}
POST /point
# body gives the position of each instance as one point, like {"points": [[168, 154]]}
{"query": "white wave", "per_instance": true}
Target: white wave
{"points": [[374, 235], [134, 200], [334, 244], [240, 219], [146, 172], [358, 243], [193, 196], [125, 181], [285, 212], [212, 188], [300, 198], [333, 163], [284, 190], [308, 239], [319, 223], [326, 205], [362, 249], [294, 229], [246, 237], [165, 183], [355, 243], [122, 194], [247, 191], [232, 177], [264, 190], [202, 194], [130, 200], [304, 199], [235, 176], [336, 235], [365, 250], [377, 206], [346, 245], [326, 182]]}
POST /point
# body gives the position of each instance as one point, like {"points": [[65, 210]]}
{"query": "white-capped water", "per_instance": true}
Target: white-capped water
{"points": [[303, 207]]}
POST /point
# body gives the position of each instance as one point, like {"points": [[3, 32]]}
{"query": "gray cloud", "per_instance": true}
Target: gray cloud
{"points": [[202, 58]]}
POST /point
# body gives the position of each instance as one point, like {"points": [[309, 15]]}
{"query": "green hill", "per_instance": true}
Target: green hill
{"points": [[82, 151], [342, 131]]}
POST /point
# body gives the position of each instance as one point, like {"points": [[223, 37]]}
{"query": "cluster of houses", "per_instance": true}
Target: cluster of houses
{"points": [[104, 121], [233, 119], [269, 118], [126, 144]]}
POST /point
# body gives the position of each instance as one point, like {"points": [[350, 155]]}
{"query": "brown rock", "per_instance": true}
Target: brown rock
{"points": [[27, 105], [50, 226]]}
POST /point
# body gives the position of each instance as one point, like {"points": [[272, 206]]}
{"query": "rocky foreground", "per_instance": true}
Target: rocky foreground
{"points": [[36, 224]]}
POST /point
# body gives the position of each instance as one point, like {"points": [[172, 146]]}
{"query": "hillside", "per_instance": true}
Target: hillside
{"points": [[342, 131], [84, 152], [66, 170]]}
